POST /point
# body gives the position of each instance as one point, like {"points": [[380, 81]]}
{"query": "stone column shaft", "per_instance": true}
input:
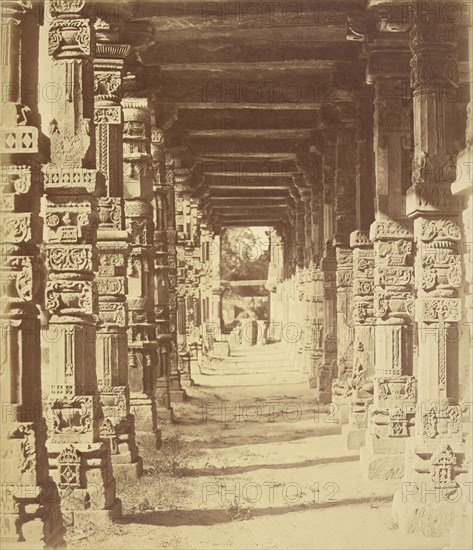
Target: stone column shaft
{"points": [[79, 459], [176, 392], [112, 242], [359, 388], [188, 257], [344, 223], [161, 275], [28, 513], [461, 535], [435, 454], [327, 370], [391, 416], [138, 194]]}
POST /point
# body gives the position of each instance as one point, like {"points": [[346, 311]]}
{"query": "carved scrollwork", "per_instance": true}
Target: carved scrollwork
{"points": [[107, 115], [73, 297], [15, 227], [68, 415], [69, 37], [70, 258]]}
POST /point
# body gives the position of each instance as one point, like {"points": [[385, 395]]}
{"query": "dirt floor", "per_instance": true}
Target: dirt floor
{"points": [[251, 462]]}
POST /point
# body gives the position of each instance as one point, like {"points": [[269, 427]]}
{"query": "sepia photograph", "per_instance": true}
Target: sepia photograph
{"points": [[236, 275]]}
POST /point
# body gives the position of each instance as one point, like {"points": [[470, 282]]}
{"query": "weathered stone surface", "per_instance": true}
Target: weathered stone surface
{"points": [[170, 126]]}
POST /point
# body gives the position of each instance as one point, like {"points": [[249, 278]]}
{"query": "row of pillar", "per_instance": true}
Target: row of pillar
{"points": [[89, 276], [393, 274]]}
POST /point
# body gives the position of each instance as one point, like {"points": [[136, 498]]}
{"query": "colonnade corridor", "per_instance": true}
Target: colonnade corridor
{"points": [[260, 465], [235, 248]]}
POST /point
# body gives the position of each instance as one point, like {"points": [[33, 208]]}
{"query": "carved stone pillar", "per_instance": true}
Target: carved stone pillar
{"points": [[359, 389], [161, 275], [214, 330], [176, 392], [194, 328], [355, 332], [29, 502], [301, 279], [204, 283], [188, 257], [308, 308], [391, 416], [274, 285], [138, 194], [344, 222], [316, 275], [327, 370], [112, 243], [461, 536], [435, 455], [344, 334], [79, 458]]}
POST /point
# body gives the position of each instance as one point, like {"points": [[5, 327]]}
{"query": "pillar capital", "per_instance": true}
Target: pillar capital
{"points": [[387, 61], [71, 35]]}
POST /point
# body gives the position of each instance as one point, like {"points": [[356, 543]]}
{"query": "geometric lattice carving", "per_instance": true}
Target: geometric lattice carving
{"points": [[69, 467], [19, 140]]}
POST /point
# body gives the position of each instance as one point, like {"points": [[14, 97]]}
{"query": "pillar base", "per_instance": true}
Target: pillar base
{"points": [[383, 458], [149, 440], [178, 396], [185, 369], [165, 416], [130, 471], [341, 410], [433, 488], [321, 380], [196, 365], [34, 525], [221, 349], [324, 398], [462, 533], [354, 437], [432, 519], [187, 380], [145, 412], [355, 431], [100, 518]]}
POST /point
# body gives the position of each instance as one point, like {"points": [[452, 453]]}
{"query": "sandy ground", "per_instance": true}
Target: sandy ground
{"points": [[253, 463]]}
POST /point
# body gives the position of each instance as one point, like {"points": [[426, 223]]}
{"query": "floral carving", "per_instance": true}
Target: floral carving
{"points": [[69, 36], [15, 228], [71, 415], [107, 115], [441, 309], [71, 258], [65, 296], [437, 229]]}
